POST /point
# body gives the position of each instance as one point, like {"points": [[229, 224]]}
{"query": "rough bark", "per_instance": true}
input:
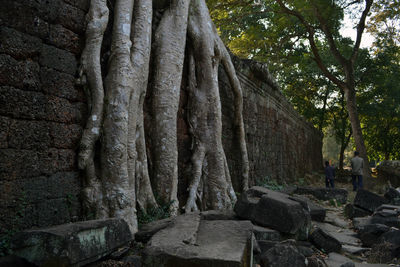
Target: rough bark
{"points": [[208, 160], [122, 179], [170, 40], [90, 73], [140, 57]]}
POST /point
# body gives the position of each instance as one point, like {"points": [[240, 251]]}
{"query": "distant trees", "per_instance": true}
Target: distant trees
{"points": [[329, 79]]}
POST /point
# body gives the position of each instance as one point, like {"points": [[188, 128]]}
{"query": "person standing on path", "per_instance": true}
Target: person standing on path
{"points": [[357, 164], [329, 175]]}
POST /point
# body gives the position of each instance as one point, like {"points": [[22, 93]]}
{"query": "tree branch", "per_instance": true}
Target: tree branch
{"points": [[314, 48], [360, 30]]}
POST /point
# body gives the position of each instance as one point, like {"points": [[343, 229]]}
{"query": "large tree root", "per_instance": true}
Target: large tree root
{"points": [[122, 179], [170, 40]]}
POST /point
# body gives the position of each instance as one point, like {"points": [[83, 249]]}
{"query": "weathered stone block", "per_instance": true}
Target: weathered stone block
{"points": [[4, 129], [16, 164], [33, 135], [273, 209], [191, 242], [72, 18], [369, 234], [65, 135], [282, 255], [325, 241], [368, 200], [17, 44], [72, 244], [82, 4], [61, 110], [24, 18], [57, 160], [58, 59], [60, 84], [263, 233], [392, 194], [19, 74], [352, 211], [31, 105], [64, 39], [213, 215], [317, 212]]}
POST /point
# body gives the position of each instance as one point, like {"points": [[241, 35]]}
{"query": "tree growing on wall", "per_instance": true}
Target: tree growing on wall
{"points": [[149, 51]]}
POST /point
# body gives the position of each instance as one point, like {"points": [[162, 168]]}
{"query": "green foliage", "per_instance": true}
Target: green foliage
{"points": [[153, 214], [269, 183]]}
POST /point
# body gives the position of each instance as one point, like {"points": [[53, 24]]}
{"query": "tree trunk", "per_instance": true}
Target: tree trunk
{"points": [[356, 127], [170, 42], [123, 179]]}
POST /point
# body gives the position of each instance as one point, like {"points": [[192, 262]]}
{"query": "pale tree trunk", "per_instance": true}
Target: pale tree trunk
{"points": [[113, 187], [91, 78], [119, 186], [140, 57], [170, 41]]}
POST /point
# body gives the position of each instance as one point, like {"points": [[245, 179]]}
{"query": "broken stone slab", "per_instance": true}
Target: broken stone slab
{"points": [[317, 212], [391, 236], [392, 194], [368, 200], [264, 233], [275, 210], [74, 244], [148, 230], [323, 240], [360, 222], [387, 215], [212, 215], [337, 260], [324, 193], [265, 245], [190, 241], [344, 236], [335, 220], [352, 211], [282, 255], [369, 234], [354, 249]]}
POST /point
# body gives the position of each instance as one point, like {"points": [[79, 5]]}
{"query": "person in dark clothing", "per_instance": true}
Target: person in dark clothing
{"points": [[329, 175]]}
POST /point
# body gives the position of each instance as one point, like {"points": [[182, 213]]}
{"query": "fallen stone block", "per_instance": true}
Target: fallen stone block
{"points": [[387, 215], [324, 193], [264, 233], [75, 244], [275, 210], [265, 245], [190, 241], [360, 222], [391, 236], [282, 255], [368, 200], [352, 211], [317, 212], [212, 215], [325, 241], [392, 194], [369, 234], [354, 249]]}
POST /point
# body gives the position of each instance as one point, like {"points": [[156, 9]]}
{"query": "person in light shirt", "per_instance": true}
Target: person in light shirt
{"points": [[357, 164]]}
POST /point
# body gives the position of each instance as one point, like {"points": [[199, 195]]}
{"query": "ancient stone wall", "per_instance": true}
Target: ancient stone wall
{"points": [[281, 145], [43, 111]]}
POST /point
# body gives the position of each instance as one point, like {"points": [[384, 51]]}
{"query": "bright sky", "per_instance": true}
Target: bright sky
{"points": [[348, 31]]}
